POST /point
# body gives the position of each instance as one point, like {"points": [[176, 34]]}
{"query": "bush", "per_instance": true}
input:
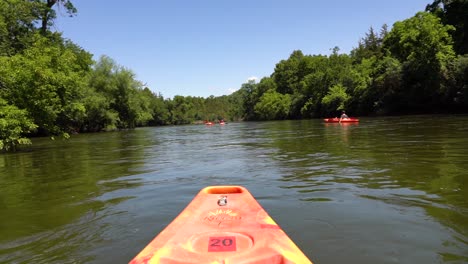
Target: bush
{"points": [[14, 125]]}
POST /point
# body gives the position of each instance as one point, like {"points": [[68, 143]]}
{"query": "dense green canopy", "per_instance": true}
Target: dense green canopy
{"points": [[49, 86]]}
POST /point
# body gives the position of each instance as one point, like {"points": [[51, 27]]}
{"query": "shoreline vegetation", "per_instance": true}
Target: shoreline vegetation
{"points": [[49, 86]]}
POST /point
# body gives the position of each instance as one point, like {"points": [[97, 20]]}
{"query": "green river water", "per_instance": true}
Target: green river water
{"points": [[386, 190]]}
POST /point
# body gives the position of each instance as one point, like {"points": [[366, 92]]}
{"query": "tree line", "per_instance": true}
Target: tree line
{"points": [[418, 66], [49, 86]]}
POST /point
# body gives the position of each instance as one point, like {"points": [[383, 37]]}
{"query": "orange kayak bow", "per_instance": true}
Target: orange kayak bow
{"points": [[222, 225]]}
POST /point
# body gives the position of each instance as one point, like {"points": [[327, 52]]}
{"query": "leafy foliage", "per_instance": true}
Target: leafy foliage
{"points": [[273, 105], [454, 13], [336, 98], [48, 77], [424, 46], [14, 126], [48, 14]]}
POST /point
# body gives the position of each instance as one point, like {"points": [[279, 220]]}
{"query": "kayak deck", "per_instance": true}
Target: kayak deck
{"points": [[222, 225]]}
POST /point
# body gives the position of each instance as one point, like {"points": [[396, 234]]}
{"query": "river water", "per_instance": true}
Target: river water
{"points": [[386, 190]]}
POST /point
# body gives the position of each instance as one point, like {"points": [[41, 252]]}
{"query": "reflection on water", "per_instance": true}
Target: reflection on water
{"points": [[386, 190]]}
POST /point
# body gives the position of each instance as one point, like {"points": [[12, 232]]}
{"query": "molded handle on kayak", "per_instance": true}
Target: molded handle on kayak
{"points": [[224, 189]]}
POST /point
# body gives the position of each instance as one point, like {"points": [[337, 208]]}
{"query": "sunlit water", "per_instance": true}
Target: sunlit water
{"points": [[387, 190]]}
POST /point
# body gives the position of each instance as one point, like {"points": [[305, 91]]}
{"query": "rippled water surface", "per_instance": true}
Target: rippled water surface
{"points": [[387, 190]]}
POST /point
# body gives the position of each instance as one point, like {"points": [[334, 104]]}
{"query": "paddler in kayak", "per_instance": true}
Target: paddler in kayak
{"points": [[343, 115]]}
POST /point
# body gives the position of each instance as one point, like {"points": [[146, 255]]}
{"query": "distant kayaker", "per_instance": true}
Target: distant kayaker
{"points": [[343, 116]]}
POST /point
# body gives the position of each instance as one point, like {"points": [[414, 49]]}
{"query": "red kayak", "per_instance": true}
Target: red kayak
{"points": [[343, 120]]}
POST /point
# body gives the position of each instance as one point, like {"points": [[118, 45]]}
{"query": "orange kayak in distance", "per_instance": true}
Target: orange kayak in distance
{"points": [[222, 225], [344, 120]]}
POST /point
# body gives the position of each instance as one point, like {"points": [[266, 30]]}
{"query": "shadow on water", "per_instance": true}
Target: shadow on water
{"points": [[386, 190], [52, 196]]}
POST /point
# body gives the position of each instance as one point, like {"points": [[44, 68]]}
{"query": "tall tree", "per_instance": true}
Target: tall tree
{"points": [[455, 13], [48, 86], [456, 92], [370, 45], [286, 74], [424, 46], [48, 13], [247, 96], [17, 27]]}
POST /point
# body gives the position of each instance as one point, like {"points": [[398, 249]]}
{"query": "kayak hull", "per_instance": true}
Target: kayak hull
{"points": [[222, 224], [344, 120]]}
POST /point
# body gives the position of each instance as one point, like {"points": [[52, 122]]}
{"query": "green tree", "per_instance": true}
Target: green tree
{"points": [[386, 93], [123, 94], [217, 108], [247, 99], [313, 86], [457, 90], [424, 46], [236, 111], [48, 85], [286, 74], [180, 112], [455, 13], [48, 14], [273, 106], [335, 99], [328, 72], [15, 125], [100, 97], [370, 46], [98, 115], [126, 99], [17, 26], [157, 108], [161, 114]]}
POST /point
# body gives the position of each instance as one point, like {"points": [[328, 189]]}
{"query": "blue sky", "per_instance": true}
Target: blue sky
{"points": [[211, 47]]}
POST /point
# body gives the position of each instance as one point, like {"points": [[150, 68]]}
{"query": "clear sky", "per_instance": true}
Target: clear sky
{"points": [[211, 47]]}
